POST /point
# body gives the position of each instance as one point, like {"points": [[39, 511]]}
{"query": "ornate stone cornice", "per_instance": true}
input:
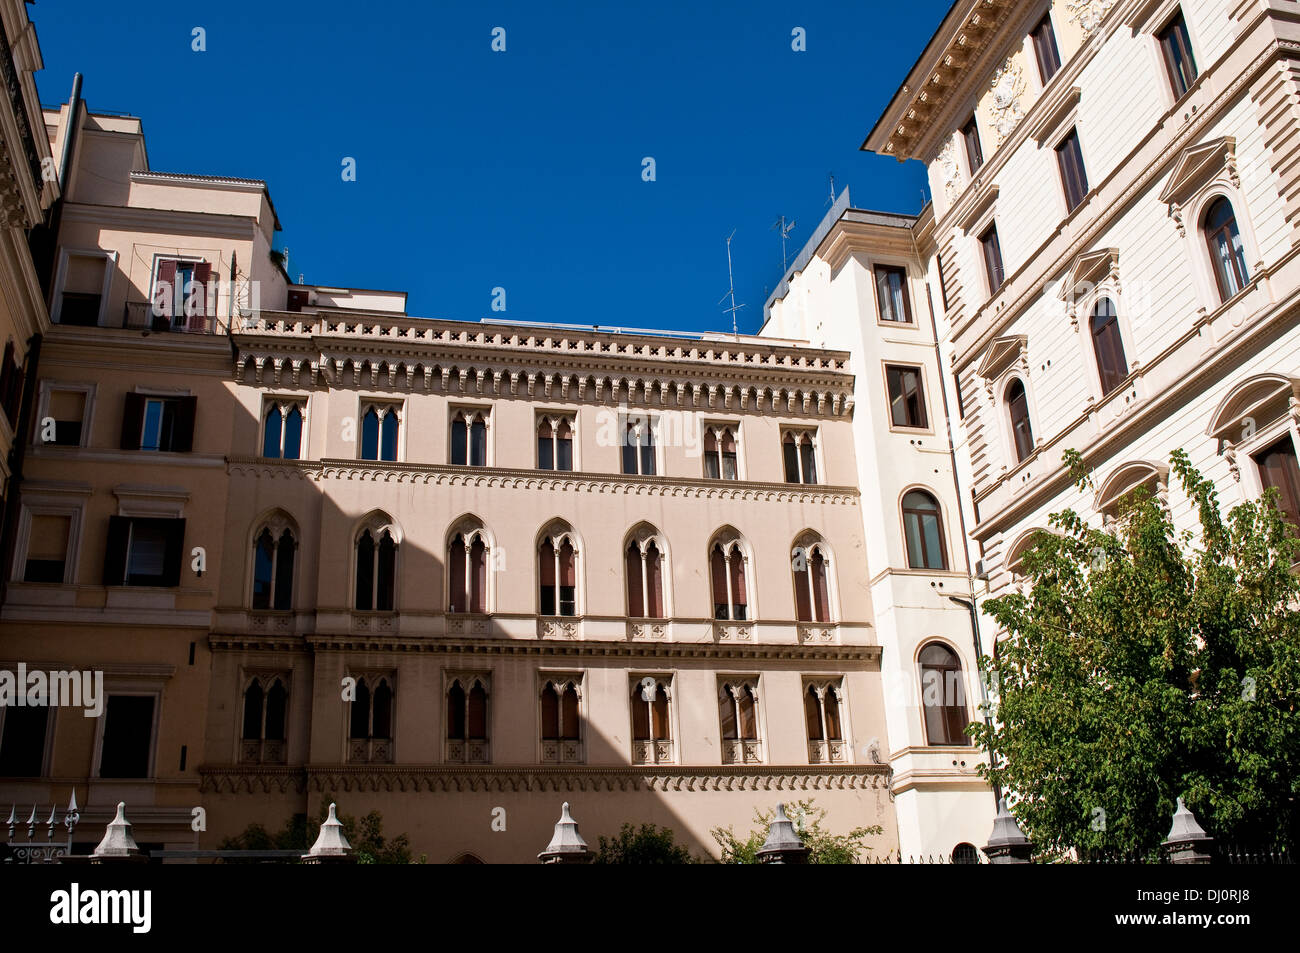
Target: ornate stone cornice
{"points": [[428, 474], [332, 778], [399, 353], [868, 655]]}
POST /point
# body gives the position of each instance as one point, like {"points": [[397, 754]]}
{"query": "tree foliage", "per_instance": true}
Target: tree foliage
{"points": [[647, 844], [1141, 665], [823, 846]]}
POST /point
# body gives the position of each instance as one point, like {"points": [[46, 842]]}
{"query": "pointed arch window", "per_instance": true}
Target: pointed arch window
{"points": [[1227, 253], [282, 429], [370, 720], [1108, 345], [376, 572], [467, 720], [1022, 431], [943, 696], [727, 572], [720, 458], [923, 530], [557, 559], [822, 713], [639, 445], [273, 558], [561, 721], [738, 714], [645, 584], [467, 564], [469, 438], [380, 424], [555, 442], [652, 738], [266, 702], [799, 449], [811, 588]]}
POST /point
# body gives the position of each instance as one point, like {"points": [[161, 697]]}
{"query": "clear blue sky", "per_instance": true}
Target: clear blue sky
{"points": [[521, 169]]}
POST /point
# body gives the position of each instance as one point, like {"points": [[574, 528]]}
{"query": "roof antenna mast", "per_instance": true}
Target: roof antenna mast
{"points": [[785, 228], [731, 291], [832, 200]]}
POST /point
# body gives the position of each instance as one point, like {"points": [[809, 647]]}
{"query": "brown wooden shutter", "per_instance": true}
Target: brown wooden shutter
{"points": [[174, 552], [183, 425], [632, 566], [656, 573], [119, 529], [203, 278], [132, 421], [718, 570], [817, 566], [456, 556], [803, 612], [163, 307]]}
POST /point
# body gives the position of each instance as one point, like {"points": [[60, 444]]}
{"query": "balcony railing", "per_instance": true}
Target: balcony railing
{"points": [[472, 751], [742, 751], [255, 751], [140, 316], [374, 750], [826, 752], [652, 752]]}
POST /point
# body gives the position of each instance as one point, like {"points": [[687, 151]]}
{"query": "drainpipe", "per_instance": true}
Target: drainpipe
{"points": [[970, 603]]}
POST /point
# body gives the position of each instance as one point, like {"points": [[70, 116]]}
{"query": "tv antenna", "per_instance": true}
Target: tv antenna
{"points": [[731, 291], [832, 198], [785, 228]]}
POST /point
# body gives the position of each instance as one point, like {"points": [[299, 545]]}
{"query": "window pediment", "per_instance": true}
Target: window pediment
{"points": [[1057, 117], [1251, 405], [1089, 269], [1127, 478], [975, 214], [1197, 166], [1001, 354]]}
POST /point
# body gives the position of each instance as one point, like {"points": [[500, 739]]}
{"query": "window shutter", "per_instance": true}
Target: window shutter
{"points": [[656, 597], [174, 553], [203, 278], [132, 421], [119, 528], [183, 424], [803, 611], [456, 566], [718, 571], [632, 569], [164, 304]]}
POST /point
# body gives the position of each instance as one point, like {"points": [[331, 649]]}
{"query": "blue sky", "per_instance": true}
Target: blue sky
{"points": [[521, 170]]}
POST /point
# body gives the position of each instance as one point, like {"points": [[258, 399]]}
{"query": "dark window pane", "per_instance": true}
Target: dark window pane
{"points": [[284, 571], [1176, 44], [993, 259], [22, 747], [128, 731], [974, 154], [263, 556], [478, 444], [1045, 49], [1112, 366], [459, 441], [253, 711], [891, 294], [1069, 156], [293, 435], [370, 435], [276, 706], [791, 461], [906, 397], [1278, 470], [388, 450], [1022, 431], [271, 433], [545, 453]]}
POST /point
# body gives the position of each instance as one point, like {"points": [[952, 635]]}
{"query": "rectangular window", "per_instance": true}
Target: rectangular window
{"points": [[47, 548], [974, 154], [1045, 49], [83, 289], [555, 442], [158, 424], [1278, 469], [128, 736], [144, 551], [992, 249], [181, 295], [67, 408], [282, 423], [469, 437], [891, 294], [906, 397], [380, 427], [22, 741], [1069, 157], [1176, 45]]}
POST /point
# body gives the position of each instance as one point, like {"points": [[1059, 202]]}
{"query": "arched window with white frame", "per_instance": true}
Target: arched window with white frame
{"points": [[1022, 430], [469, 437], [1227, 252], [557, 563], [469, 568], [266, 705], [375, 569], [810, 564], [729, 577], [370, 718], [824, 717], [467, 719], [739, 720], [275, 547], [644, 557]]}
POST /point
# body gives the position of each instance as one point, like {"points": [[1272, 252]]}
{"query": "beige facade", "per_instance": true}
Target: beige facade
{"points": [[1116, 241], [323, 551]]}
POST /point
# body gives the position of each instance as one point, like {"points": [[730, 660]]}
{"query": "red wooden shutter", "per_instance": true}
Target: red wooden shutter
{"points": [[817, 566], [478, 581], [738, 577], [207, 308], [803, 611], [718, 570], [655, 570], [165, 294], [640, 716], [456, 556]]}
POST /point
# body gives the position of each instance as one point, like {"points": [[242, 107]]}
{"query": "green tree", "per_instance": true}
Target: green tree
{"points": [[823, 846], [366, 837], [645, 845], [1143, 664]]}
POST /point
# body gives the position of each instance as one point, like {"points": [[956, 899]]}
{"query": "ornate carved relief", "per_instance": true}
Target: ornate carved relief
{"points": [[1008, 87], [950, 170], [1088, 13]]}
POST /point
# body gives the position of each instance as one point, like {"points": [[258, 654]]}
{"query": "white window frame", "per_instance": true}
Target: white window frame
{"points": [[489, 434], [740, 680], [554, 417], [47, 386], [737, 432], [652, 422], [384, 406], [286, 402], [798, 430], [44, 505], [110, 259], [562, 676]]}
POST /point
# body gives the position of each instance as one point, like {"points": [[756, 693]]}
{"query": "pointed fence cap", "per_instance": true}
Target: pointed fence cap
{"points": [[1185, 827], [1006, 830], [781, 835], [566, 840], [118, 841], [331, 842]]}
